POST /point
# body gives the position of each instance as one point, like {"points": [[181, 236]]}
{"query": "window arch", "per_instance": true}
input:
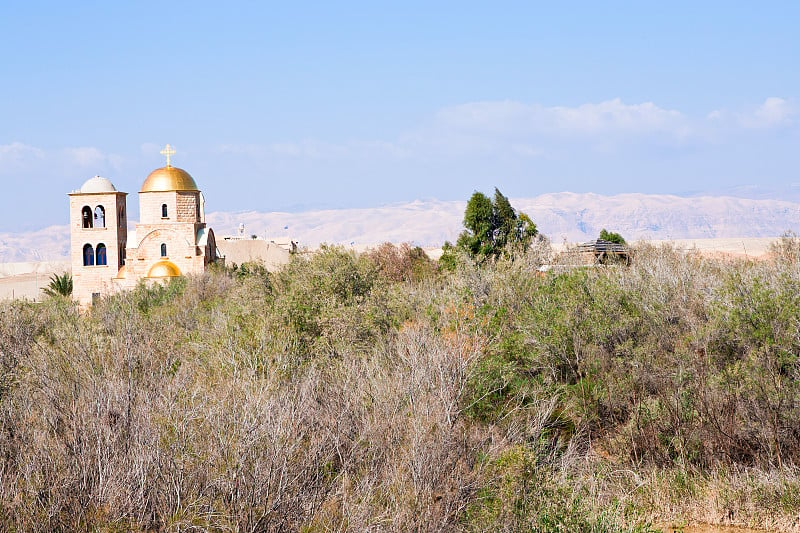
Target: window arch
{"points": [[99, 217], [102, 256], [88, 255], [86, 217], [163, 210], [163, 249]]}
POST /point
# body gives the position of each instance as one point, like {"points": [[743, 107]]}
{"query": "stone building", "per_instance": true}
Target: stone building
{"points": [[171, 238]]}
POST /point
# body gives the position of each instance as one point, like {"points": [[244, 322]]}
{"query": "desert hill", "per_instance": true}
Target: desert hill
{"points": [[571, 217]]}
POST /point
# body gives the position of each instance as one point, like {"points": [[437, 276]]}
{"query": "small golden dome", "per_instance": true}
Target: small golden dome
{"points": [[164, 269], [169, 178], [123, 272]]}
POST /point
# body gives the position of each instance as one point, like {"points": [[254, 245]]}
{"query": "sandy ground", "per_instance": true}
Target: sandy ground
{"points": [[25, 280], [750, 247], [24, 286]]}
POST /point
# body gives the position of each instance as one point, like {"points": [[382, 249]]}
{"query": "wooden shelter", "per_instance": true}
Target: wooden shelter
{"points": [[605, 252]]}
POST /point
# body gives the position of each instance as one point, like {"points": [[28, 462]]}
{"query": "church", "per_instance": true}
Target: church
{"points": [[170, 240]]}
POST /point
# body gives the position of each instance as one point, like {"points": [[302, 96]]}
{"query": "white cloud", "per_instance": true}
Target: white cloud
{"points": [[531, 130], [774, 112], [615, 116], [86, 156], [510, 128], [20, 159], [18, 152], [612, 116], [487, 116]]}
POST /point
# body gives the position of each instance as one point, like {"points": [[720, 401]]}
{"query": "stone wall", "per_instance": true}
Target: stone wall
{"points": [[180, 240], [181, 207], [150, 207], [188, 209], [271, 255]]}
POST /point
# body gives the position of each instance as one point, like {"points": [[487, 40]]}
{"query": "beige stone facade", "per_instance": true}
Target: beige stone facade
{"points": [[170, 240], [98, 237]]}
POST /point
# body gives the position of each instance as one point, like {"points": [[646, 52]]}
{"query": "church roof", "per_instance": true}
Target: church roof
{"points": [[164, 269], [202, 236], [169, 178], [123, 272], [97, 184]]}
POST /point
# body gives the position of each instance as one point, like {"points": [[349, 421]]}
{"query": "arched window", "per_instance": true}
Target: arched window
{"points": [[163, 210], [163, 249], [102, 259], [88, 255], [99, 217], [86, 217]]}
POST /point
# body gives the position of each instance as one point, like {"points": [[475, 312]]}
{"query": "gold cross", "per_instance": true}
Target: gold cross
{"points": [[168, 151]]}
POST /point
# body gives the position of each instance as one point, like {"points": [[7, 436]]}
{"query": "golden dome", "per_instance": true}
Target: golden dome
{"points": [[123, 272], [164, 269], [169, 178]]}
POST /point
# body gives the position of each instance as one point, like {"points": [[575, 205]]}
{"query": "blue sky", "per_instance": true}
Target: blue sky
{"points": [[300, 105]]}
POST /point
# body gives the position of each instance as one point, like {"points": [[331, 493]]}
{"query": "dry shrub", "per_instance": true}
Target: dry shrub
{"points": [[401, 262], [150, 413], [786, 249], [340, 394]]}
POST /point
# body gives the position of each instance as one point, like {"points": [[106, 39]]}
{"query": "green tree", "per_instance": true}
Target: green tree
{"points": [[492, 226], [449, 258], [59, 285], [610, 236], [478, 239]]}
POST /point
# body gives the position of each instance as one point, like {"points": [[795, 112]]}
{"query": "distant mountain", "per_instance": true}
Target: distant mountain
{"points": [[47, 244], [577, 217], [561, 216], [426, 223]]}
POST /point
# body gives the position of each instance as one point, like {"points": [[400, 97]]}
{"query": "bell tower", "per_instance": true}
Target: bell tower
{"points": [[98, 228]]}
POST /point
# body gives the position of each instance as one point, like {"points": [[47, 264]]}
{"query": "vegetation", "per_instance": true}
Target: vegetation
{"points": [[611, 236], [494, 227], [377, 392], [59, 285]]}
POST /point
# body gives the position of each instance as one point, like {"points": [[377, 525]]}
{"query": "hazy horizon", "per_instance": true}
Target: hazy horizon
{"points": [[573, 217]]}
